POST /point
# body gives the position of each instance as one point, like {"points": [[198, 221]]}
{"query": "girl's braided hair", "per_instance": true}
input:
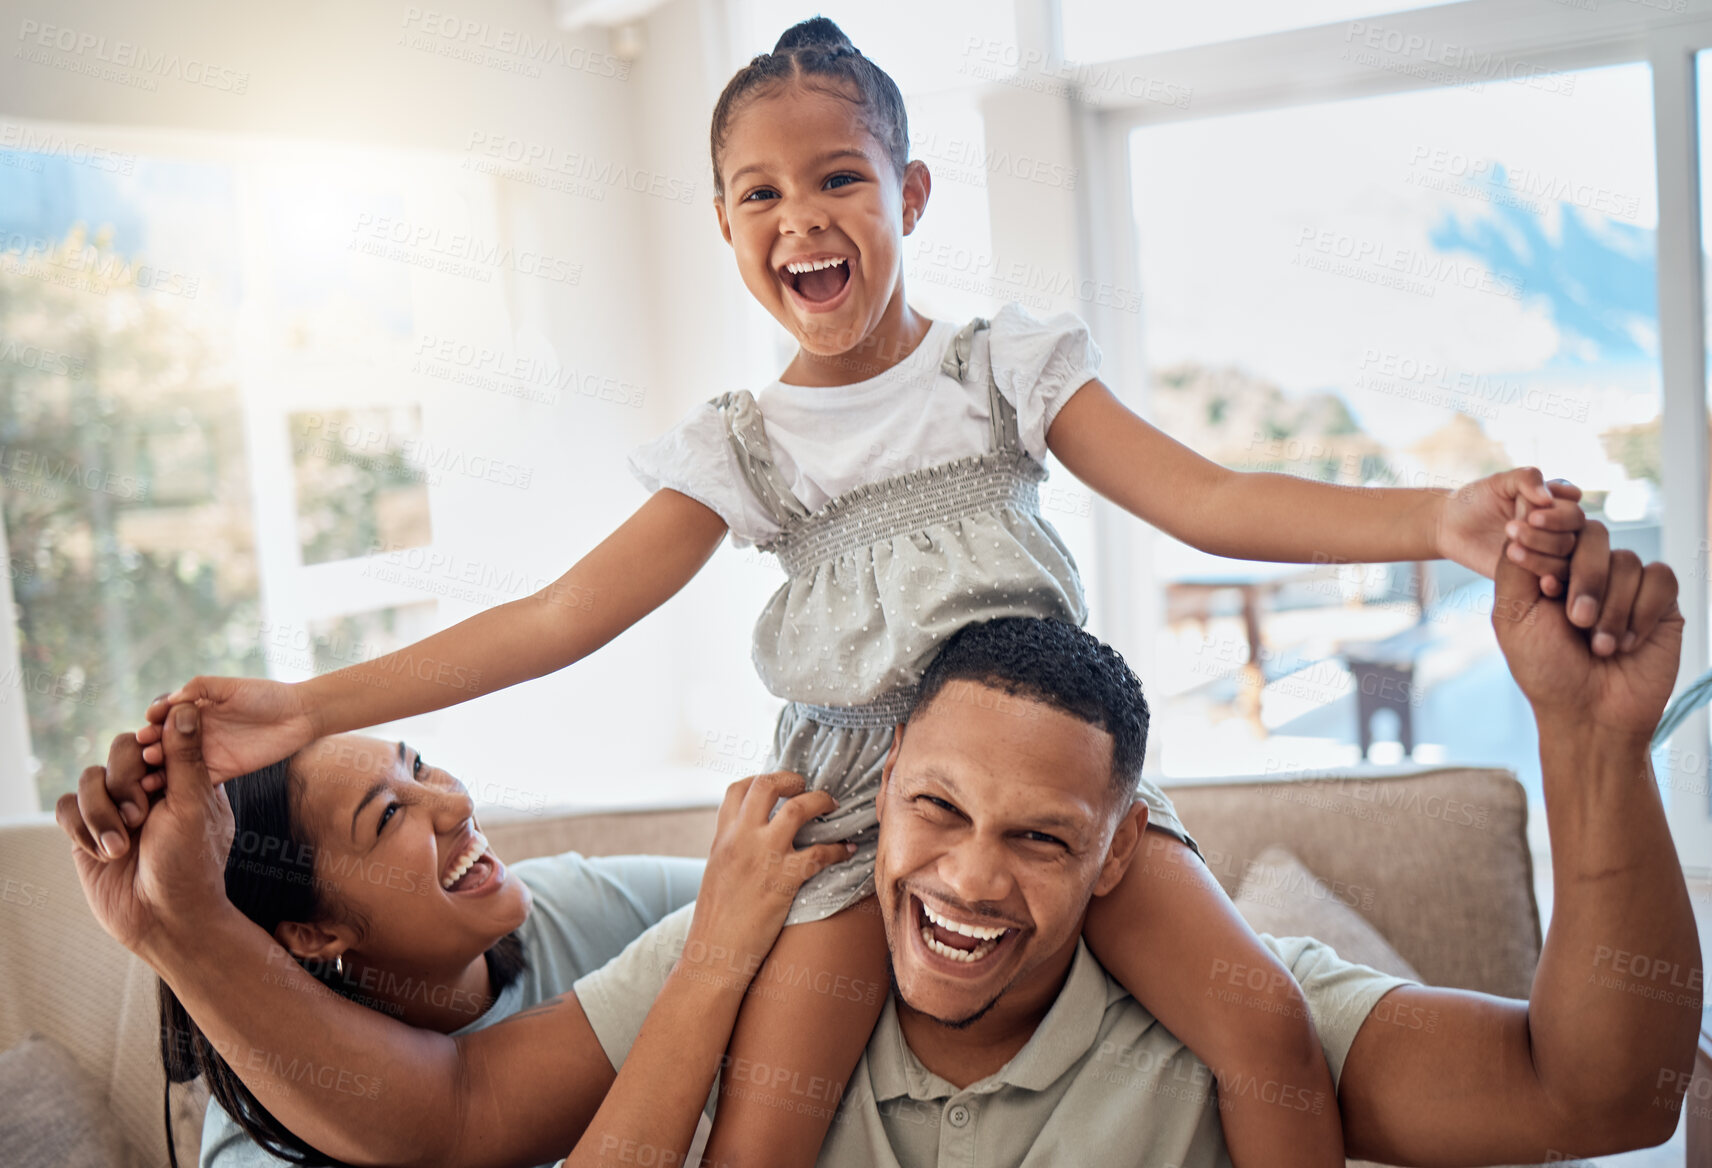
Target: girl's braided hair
{"points": [[818, 55]]}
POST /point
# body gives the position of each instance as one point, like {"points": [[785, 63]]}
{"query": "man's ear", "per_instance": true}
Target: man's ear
{"points": [[724, 223], [1122, 852], [918, 184], [886, 772], [312, 941]]}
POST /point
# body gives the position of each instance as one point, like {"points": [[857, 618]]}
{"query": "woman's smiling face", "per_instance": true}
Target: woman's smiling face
{"points": [[808, 187], [390, 833]]}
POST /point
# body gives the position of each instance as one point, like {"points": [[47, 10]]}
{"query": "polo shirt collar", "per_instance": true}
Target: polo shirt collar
{"points": [[1063, 1038]]}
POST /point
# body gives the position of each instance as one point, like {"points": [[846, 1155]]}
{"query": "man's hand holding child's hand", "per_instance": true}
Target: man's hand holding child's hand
{"points": [[1541, 522]]}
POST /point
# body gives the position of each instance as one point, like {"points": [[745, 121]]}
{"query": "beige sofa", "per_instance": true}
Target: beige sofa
{"points": [[1435, 860]]}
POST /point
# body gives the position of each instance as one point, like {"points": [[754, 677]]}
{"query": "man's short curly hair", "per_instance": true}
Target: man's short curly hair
{"points": [[1055, 663]]}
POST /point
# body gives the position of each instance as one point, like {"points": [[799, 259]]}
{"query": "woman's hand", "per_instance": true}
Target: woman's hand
{"points": [[247, 723], [174, 875], [753, 870], [1539, 519]]}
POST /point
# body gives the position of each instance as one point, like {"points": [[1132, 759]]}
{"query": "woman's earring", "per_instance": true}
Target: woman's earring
{"points": [[339, 966]]}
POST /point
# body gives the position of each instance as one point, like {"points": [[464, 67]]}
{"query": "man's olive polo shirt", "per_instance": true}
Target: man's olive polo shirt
{"points": [[1100, 1081]]}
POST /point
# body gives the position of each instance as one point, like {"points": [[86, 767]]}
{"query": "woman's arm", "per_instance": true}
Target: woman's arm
{"points": [[250, 722], [1265, 516], [367, 1088]]}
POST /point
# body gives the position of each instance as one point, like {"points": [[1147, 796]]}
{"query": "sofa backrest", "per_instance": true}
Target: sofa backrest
{"points": [[1437, 861]]}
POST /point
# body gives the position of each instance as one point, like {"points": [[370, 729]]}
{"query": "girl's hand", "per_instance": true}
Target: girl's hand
{"points": [[247, 723], [170, 875], [753, 871], [1539, 519]]}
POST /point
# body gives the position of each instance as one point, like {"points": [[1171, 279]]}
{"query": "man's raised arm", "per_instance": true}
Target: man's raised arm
{"points": [[1598, 1057]]}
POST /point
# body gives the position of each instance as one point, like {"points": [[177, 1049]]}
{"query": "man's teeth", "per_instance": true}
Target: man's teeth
{"points": [[951, 926], [988, 939], [801, 266], [964, 955], [476, 848]]}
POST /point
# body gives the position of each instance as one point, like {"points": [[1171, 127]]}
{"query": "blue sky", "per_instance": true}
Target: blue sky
{"points": [[1599, 277]]}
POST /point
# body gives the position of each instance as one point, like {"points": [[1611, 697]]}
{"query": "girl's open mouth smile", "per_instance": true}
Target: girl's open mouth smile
{"points": [[817, 283]]}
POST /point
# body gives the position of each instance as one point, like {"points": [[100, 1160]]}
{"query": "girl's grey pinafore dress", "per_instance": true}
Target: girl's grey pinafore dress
{"points": [[879, 577]]}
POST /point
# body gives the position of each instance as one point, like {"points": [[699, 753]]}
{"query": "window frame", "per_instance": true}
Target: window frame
{"points": [[1306, 66]]}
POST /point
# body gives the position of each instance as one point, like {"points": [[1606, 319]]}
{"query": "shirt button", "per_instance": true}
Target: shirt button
{"points": [[958, 1116]]}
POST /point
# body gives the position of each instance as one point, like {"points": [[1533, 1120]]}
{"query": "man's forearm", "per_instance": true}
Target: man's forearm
{"points": [[1617, 996], [1591, 1063], [353, 1082]]}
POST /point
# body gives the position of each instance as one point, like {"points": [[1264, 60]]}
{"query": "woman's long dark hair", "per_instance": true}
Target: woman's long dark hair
{"points": [[270, 878]]}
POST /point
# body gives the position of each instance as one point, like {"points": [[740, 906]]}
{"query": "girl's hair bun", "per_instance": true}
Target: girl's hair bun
{"points": [[816, 34], [816, 54]]}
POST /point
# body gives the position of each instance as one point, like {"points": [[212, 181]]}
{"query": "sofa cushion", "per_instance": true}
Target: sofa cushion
{"points": [[1280, 896], [54, 1113], [68, 980], [1444, 851]]}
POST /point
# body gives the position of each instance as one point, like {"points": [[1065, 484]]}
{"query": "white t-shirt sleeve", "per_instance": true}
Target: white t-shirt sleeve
{"points": [[695, 458], [1038, 366]]}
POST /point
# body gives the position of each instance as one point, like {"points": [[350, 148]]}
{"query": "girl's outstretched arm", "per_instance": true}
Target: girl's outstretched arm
{"points": [[627, 576], [1259, 515], [249, 722]]}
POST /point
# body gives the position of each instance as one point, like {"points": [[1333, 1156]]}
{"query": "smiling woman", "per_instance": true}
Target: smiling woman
{"points": [[365, 862]]}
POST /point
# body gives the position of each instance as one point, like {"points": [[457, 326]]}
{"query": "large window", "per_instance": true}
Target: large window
{"points": [[228, 420], [265, 409], [1409, 290], [123, 469]]}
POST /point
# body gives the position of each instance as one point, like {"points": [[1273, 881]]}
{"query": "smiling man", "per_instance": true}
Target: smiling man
{"points": [[1006, 812], [1006, 807]]}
